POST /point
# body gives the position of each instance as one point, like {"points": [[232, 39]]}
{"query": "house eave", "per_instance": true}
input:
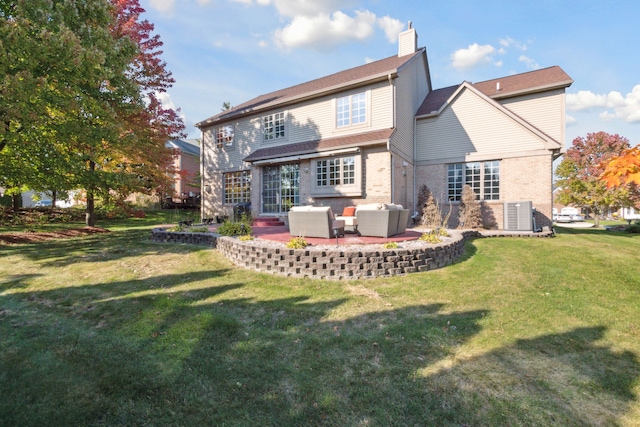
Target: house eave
{"points": [[284, 102], [544, 88]]}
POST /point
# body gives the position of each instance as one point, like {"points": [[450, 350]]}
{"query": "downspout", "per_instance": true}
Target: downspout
{"points": [[202, 185], [415, 157], [393, 125]]}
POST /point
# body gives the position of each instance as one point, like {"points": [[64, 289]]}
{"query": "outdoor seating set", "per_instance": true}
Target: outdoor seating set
{"points": [[375, 219]]}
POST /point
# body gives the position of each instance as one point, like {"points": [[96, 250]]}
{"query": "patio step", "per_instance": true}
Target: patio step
{"points": [[267, 222]]}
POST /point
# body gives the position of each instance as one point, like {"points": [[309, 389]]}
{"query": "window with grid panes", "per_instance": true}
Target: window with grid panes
{"points": [[351, 110], [237, 187], [335, 171], [273, 126], [224, 136], [482, 177]]}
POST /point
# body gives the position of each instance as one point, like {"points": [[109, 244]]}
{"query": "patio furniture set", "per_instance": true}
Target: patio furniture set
{"points": [[375, 219]]}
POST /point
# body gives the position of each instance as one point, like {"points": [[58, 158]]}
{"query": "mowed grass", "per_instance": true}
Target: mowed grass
{"points": [[114, 330]]}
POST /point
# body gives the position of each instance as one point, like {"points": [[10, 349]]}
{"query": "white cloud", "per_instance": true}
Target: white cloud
{"points": [[616, 105], [498, 63], [391, 27], [472, 56], [509, 42], [167, 103], [531, 63], [309, 8], [324, 31], [246, 2], [569, 120], [323, 24], [164, 6]]}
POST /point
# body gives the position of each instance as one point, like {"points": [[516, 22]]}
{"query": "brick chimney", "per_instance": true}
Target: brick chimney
{"points": [[408, 41]]}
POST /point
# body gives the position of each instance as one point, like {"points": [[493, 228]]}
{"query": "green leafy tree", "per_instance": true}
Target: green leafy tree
{"points": [[79, 102], [580, 170]]}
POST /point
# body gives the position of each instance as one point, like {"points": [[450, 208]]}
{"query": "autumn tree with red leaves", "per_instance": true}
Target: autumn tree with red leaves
{"points": [[81, 85], [580, 170]]}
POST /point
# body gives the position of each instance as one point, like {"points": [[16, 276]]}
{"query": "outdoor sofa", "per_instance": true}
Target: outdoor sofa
{"points": [[314, 221], [381, 220]]}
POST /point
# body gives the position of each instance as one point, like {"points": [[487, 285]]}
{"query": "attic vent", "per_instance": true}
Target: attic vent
{"points": [[498, 87], [518, 216]]}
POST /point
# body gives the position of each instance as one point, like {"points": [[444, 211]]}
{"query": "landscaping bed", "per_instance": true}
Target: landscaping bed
{"points": [[41, 236]]}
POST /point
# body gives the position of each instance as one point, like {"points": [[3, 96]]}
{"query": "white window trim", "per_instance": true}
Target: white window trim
{"points": [[285, 118], [224, 144], [349, 190], [481, 179], [367, 120]]}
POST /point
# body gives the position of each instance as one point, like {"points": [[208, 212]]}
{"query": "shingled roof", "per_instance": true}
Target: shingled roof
{"points": [[503, 87], [184, 146], [320, 145], [321, 86]]}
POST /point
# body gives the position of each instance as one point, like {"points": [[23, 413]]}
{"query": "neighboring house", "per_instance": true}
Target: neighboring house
{"points": [[377, 132], [187, 165]]}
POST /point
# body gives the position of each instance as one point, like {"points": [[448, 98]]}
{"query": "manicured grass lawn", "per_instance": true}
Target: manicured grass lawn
{"points": [[114, 330]]}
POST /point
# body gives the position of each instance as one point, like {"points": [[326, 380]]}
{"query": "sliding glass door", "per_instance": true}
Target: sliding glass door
{"points": [[280, 188]]}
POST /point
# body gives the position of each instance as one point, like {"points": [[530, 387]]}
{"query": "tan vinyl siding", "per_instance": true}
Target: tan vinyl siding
{"points": [[316, 119], [411, 89], [470, 127], [541, 110]]}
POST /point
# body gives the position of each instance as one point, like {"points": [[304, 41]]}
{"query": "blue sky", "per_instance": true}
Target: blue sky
{"points": [[234, 50]]}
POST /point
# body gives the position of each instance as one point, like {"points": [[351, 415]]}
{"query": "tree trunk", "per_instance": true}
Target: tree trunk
{"points": [[90, 215], [54, 197], [15, 200]]}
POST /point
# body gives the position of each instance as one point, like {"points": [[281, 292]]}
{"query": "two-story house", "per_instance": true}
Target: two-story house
{"points": [[378, 132], [186, 165]]}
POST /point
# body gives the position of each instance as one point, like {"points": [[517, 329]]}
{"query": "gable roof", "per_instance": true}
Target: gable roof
{"points": [[550, 142], [510, 86], [184, 147], [523, 83], [363, 74]]}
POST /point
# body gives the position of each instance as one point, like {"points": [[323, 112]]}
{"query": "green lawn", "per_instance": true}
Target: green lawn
{"points": [[112, 330]]}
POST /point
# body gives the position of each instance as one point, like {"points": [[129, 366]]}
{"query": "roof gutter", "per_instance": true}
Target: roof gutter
{"points": [[307, 156], [543, 88]]}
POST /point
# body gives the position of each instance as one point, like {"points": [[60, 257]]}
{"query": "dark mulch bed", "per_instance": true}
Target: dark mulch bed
{"points": [[34, 237]]}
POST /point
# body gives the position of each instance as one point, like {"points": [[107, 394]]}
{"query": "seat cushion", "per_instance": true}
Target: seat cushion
{"points": [[349, 211]]}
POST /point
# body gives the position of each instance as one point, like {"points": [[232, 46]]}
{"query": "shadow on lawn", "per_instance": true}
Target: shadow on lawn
{"points": [[181, 359], [95, 248], [398, 367]]}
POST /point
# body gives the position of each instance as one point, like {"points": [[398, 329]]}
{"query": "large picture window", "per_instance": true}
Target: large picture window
{"points": [[336, 171], [273, 126], [237, 187], [351, 110], [337, 176], [224, 136], [482, 177]]}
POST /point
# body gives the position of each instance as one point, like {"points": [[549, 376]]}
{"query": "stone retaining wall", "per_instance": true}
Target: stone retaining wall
{"points": [[347, 262], [160, 235], [343, 262]]}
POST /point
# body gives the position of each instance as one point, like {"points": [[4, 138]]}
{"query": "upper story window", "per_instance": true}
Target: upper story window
{"points": [[224, 136], [482, 177], [273, 126], [351, 110]]}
